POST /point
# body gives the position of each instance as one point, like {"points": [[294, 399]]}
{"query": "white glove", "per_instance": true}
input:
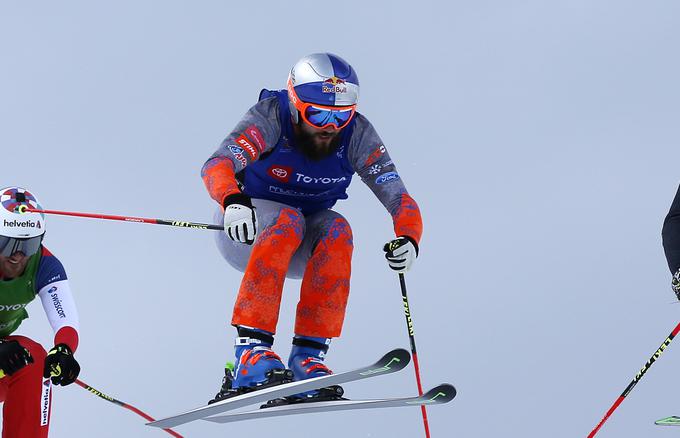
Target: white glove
{"points": [[401, 253], [240, 221]]}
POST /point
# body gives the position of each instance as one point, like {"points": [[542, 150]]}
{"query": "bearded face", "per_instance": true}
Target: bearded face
{"points": [[316, 143]]}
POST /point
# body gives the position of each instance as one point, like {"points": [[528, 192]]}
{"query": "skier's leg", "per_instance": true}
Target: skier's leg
{"points": [[256, 310], [259, 296], [264, 264], [327, 248], [26, 409]]}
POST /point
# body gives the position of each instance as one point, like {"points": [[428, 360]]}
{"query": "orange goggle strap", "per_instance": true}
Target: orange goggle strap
{"points": [[302, 107]]}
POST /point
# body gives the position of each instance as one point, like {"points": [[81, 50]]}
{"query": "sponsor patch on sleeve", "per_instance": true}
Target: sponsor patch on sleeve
{"points": [[243, 142], [237, 152], [375, 155], [254, 134], [387, 177]]}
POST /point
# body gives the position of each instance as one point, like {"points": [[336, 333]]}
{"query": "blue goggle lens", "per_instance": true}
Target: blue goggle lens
{"points": [[321, 116]]}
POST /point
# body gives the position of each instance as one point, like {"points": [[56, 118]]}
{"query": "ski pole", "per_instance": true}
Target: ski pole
{"points": [[414, 354], [636, 379], [114, 401], [124, 405], [174, 223]]}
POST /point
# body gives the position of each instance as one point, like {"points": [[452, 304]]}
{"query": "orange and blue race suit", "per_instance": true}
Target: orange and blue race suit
{"points": [[299, 234]]}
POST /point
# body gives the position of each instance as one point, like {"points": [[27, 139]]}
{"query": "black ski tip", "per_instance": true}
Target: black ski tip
{"points": [[398, 357], [443, 393]]}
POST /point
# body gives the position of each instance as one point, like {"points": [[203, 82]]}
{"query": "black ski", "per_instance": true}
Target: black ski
{"points": [[392, 362], [441, 394]]}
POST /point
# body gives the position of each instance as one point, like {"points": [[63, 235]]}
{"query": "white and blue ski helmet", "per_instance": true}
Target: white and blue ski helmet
{"points": [[20, 229], [323, 79]]}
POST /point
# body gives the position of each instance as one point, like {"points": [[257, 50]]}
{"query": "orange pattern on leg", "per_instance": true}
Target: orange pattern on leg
{"points": [[325, 285], [259, 297]]}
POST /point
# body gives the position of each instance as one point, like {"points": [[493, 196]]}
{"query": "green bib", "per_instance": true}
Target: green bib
{"points": [[15, 294]]}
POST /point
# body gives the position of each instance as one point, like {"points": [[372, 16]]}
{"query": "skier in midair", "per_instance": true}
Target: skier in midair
{"points": [[27, 270], [276, 177], [671, 242]]}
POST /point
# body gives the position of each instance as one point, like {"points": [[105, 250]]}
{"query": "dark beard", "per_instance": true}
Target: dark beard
{"points": [[305, 144]]}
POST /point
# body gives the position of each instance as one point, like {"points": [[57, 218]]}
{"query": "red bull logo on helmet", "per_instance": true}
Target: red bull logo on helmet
{"points": [[334, 85]]}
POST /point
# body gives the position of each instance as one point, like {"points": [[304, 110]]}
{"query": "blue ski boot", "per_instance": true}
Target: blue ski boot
{"points": [[306, 362], [257, 366]]}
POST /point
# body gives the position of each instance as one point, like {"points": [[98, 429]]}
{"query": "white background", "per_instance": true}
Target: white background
{"points": [[541, 140]]}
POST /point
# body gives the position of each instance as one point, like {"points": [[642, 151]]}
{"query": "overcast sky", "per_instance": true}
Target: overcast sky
{"points": [[540, 138]]}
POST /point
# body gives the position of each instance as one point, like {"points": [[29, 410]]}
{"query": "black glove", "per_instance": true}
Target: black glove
{"points": [[13, 356], [401, 253], [61, 366], [240, 221], [675, 284]]}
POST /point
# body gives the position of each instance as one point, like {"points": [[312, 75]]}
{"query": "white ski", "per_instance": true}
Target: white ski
{"points": [[668, 421], [443, 393], [392, 362]]}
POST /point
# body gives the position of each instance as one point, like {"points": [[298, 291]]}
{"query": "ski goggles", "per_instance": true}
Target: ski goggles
{"points": [[322, 116], [11, 245]]}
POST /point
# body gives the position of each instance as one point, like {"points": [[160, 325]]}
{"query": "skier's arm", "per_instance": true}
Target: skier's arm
{"points": [[256, 133], [372, 162], [671, 235], [55, 294]]}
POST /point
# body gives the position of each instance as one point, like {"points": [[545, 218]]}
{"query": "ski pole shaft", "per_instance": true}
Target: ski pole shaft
{"points": [[173, 223], [124, 405], [114, 401], [636, 379], [414, 353]]}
